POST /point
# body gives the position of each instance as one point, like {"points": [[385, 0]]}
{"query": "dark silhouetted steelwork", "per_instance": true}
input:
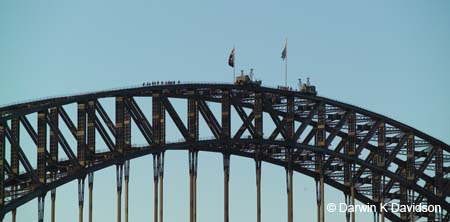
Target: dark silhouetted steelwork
{"points": [[367, 156]]}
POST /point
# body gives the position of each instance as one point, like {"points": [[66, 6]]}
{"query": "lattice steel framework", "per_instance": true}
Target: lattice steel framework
{"points": [[367, 156]]}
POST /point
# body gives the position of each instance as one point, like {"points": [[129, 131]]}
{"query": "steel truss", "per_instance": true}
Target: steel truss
{"points": [[367, 156]]}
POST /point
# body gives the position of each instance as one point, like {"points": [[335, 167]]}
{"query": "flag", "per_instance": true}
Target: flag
{"points": [[284, 52], [231, 58]]}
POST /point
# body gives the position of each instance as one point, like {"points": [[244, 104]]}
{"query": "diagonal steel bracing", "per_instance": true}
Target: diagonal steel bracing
{"points": [[321, 119]]}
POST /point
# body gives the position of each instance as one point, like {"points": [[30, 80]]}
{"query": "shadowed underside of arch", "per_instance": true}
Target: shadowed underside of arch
{"points": [[347, 147]]}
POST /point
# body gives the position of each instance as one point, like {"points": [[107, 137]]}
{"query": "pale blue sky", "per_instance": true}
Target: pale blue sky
{"points": [[391, 57]]}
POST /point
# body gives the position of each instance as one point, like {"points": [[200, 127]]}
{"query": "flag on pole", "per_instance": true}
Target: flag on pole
{"points": [[284, 52], [284, 57], [231, 58]]}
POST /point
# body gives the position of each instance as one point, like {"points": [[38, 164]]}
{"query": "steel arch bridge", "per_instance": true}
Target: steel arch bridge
{"points": [[367, 156]]}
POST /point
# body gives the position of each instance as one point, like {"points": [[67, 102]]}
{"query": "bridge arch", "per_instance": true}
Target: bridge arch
{"points": [[345, 146]]}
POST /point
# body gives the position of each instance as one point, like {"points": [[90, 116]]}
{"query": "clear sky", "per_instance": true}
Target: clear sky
{"points": [[391, 57]]}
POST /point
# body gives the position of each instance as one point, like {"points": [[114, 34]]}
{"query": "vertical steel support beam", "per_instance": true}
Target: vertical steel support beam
{"points": [[318, 200], [376, 178], [42, 144], [439, 172], [257, 109], [2, 165], [119, 176], [156, 109], [347, 164], [120, 117], [81, 134], [226, 110], [289, 185], [158, 119], [352, 198], [347, 180], [226, 182], [91, 151], [127, 180], [156, 122], [439, 176], [378, 161], [161, 186], [191, 185], [155, 186], [403, 195], [193, 154], [193, 157], [13, 215], [347, 202], [258, 189], [80, 199], [41, 159], [91, 187], [289, 155], [195, 184], [381, 161], [226, 132], [411, 199], [159, 128], [120, 146], [410, 170], [290, 118], [53, 136], [127, 126], [15, 131], [431, 217], [163, 125], [351, 143], [54, 119], [91, 129], [410, 164], [81, 151], [320, 143], [53, 206], [127, 147], [41, 206], [350, 150]]}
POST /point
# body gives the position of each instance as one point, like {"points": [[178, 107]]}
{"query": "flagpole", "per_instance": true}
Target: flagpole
{"points": [[285, 72], [234, 64], [234, 74], [285, 67]]}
